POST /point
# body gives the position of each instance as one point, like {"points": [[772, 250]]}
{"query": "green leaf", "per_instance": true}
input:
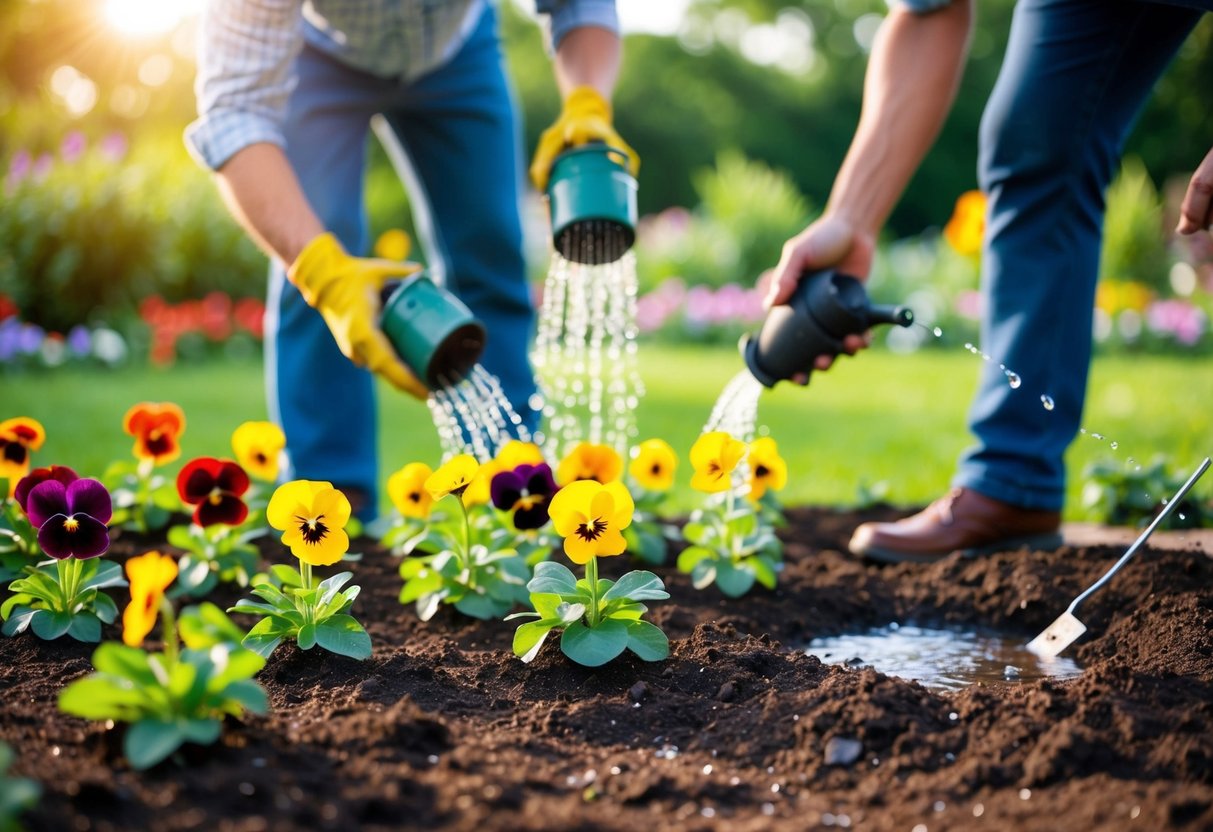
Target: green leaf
{"points": [[329, 587], [545, 604], [150, 741], [742, 523], [568, 613], [232, 663], [529, 638], [108, 574], [286, 575], [422, 584], [264, 637], [552, 577], [648, 545], [696, 532], [342, 634], [690, 557], [18, 620], [206, 625], [105, 608], [427, 605], [306, 637], [704, 573], [101, 696], [647, 641], [131, 663], [734, 581], [764, 571], [192, 573], [201, 731], [248, 695], [50, 625], [85, 626], [638, 586], [182, 537], [594, 647], [482, 606]]}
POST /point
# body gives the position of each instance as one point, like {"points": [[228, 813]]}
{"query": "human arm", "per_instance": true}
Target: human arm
{"points": [[1196, 211], [585, 34], [911, 81]]}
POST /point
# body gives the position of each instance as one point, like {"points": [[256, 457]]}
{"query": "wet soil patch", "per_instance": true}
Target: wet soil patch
{"points": [[443, 728]]}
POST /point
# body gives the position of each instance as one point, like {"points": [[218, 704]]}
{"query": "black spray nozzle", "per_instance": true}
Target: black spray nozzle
{"points": [[825, 308]]}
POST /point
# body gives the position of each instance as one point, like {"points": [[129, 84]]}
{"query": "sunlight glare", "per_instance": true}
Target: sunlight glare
{"points": [[146, 18]]}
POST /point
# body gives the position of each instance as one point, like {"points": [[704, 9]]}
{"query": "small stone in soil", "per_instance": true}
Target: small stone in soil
{"points": [[842, 751], [727, 691], [638, 691]]}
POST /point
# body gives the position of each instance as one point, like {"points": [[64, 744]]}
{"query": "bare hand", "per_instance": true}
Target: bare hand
{"points": [[1196, 211]]}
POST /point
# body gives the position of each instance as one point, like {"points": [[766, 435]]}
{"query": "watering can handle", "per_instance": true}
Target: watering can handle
{"points": [[1162, 515]]}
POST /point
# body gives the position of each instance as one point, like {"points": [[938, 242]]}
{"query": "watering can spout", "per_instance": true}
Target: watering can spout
{"points": [[592, 202], [432, 330], [826, 307]]}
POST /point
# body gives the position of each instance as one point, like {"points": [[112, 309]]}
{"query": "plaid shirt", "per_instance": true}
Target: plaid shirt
{"points": [[248, 49]]}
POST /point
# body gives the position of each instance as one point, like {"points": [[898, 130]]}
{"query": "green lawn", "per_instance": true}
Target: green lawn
{"points": [[881, 417]]}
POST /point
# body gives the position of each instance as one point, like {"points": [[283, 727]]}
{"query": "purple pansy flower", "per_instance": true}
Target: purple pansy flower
{"points": [[70, 518], [38, 476], [526, 491]]}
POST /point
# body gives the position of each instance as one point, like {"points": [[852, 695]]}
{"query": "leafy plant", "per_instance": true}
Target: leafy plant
{"points": [[16, 793], [1128, 494], [466, 563], [733, 543], [651, 474], [598, 618], [313, 516], [63, 596], [173, 697]]}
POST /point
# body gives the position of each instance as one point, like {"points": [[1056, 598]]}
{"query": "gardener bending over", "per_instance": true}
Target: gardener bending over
{"points": [[1075, 75], [286, 92]]}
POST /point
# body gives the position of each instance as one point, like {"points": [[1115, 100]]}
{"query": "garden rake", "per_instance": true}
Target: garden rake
{"points": [[1067, 628]]}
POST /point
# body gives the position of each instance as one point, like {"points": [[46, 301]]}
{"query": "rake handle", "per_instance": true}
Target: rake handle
{"points": [[1162, 515]]}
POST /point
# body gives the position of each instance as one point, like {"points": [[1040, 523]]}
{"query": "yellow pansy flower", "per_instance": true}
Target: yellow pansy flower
{"points": [[714, 456], [590, 517], [453, 477], [767, 468], [406, 490], [18, 437], [258, 448], [150, 574], [588, 461], [654, 464], [312, 516], [965, 229]]}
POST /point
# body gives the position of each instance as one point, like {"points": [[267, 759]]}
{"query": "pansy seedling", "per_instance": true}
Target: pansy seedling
{"points": [[733, 543], [598, 618], [466, 563], [64, 596], [312, 517], [144, 499], [219, 541], [651, 476], [172, 697]]}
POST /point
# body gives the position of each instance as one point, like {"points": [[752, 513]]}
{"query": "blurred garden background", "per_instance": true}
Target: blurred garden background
{"points": [[122, 278]]}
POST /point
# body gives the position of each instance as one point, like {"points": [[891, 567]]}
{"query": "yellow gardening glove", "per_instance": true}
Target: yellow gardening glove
{"points": [[586, 117], [345, 291]]}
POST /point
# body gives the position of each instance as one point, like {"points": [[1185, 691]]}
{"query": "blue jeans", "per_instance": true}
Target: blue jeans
{"points": [[1075, 76], [460, 138]]}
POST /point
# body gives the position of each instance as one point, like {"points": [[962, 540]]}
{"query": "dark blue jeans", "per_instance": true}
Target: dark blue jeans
{"points": [[462, 153], [1075, 76]]}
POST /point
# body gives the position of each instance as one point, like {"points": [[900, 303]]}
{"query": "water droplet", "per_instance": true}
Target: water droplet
{"points": [[707, 769], [1025, 794], [1047, 401], [940, 806], [1013, 379], [938, 332], [1115, 445], [1183, 516], [1097, 436]]}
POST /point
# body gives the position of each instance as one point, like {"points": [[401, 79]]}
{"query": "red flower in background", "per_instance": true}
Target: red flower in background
{"points": [[215, 486]]}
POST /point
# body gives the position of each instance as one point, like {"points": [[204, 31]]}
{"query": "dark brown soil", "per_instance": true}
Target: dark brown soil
{"points": [[443, 728]]}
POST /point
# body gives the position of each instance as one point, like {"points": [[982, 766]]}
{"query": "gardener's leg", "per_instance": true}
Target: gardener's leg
{"points": [[1075, 75], [325, 405], [461, 153]]}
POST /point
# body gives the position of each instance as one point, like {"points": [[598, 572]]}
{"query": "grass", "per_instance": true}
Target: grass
{"points": [[896, 419]]}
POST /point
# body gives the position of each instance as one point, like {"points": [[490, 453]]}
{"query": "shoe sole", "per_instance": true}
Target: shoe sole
{"points": [[1047, 542]]}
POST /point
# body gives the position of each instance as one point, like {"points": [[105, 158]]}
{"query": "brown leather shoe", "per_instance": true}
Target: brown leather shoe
{"points": [[963, 521]]}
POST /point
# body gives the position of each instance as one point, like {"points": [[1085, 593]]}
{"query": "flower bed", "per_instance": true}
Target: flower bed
{"points": [[444, 727]]}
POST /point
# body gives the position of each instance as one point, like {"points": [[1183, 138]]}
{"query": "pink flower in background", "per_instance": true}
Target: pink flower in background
{"points": [[19, 168], [72, 146], [1177, 318], [113, 147], [655, 308], [968, 304]]}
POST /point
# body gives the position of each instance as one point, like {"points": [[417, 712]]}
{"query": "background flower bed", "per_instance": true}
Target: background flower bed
{"points": [[444, 728]]}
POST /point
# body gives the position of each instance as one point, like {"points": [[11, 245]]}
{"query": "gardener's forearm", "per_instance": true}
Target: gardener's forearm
{"points": [[911, 81], [588, 57], [264, 195]]}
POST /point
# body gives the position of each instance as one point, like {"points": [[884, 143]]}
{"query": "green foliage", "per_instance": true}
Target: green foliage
{"points": [[1128, 494], [167, 701], [476, 567], [733, 546], [215, 553], [63, 598], [1134, 246], [647, 535], [310, 615], [16, 793], [598, 618], [144, 498], [18, 538]]}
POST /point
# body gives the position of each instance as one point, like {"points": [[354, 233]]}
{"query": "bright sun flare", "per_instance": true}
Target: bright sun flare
{"points": [[142, 18]]}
